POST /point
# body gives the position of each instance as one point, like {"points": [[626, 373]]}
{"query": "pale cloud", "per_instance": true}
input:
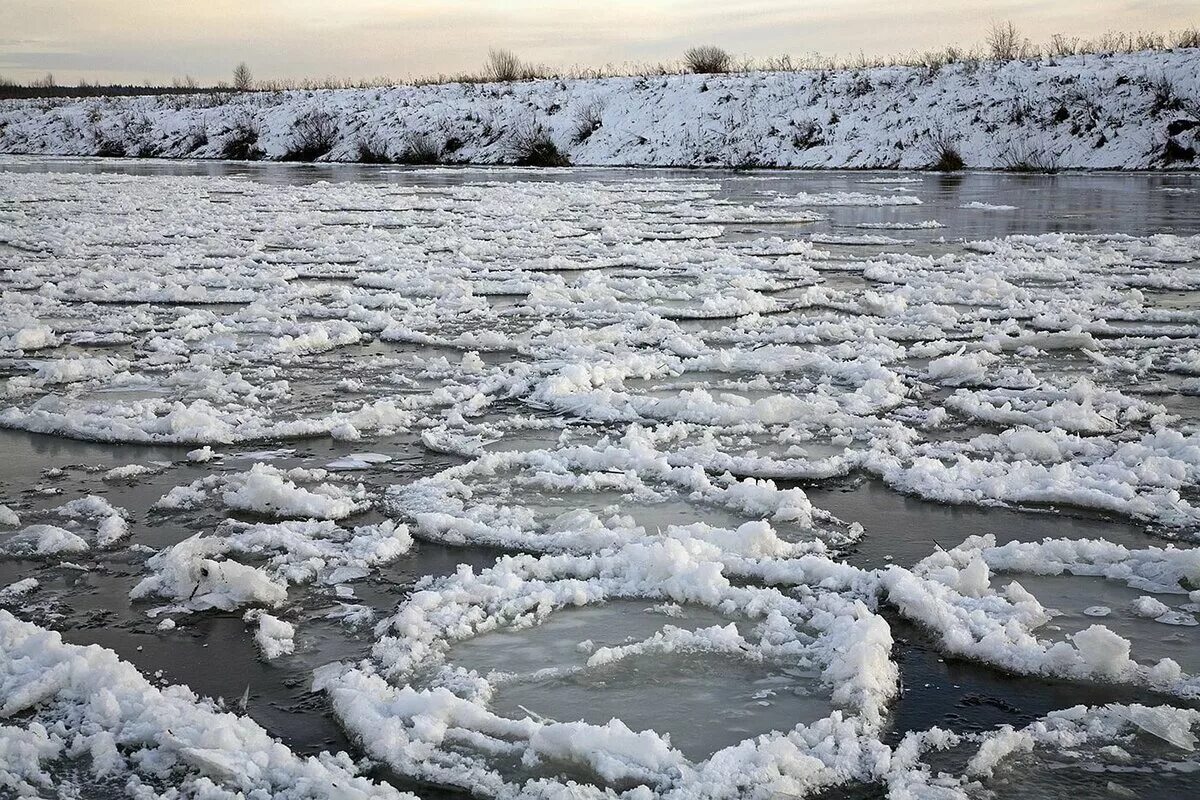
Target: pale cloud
{"points": [[136, 40]]}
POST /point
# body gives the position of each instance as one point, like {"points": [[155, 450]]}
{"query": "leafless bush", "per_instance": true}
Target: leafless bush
{"points": [[942, 145], [1176, 153], [1149, 41], [504, 66], [1166, 95], [783, 63], [195, 138], [588, 119], [138, 129], [808, 134], [1061, 45], [1022, 156], [421, 149], [371, 151], [314, 134], [859, 85], [241, 143], [707, 59], [107, 145], [1005, 43], [1086, 101], [532, 146], [1188, 37]]}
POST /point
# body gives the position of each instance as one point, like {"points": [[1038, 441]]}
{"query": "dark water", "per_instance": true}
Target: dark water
{"points": [[1137, 204]]}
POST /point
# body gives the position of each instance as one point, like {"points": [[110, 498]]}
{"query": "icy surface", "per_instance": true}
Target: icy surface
{"points": [[543, 485]]}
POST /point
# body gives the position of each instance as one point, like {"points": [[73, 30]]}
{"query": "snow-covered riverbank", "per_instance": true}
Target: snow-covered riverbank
{"points": [[1136, 111]]}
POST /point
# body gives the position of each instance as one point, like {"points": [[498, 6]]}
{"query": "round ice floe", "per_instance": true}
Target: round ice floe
{"points": [[273, 492], [417, 706], [269, 491], [1141, 478], [193, 421], [1081, 408], [588, 497], [204, 572], [839, 391], [1045, 624], [86, 522], [1110, 751]]}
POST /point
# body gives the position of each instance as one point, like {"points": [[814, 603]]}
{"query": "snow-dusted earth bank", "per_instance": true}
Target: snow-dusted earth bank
{"points": [[1136, 111], [332, 481]]}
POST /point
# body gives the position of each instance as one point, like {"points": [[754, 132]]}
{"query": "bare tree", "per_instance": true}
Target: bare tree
{"points": [[243, 80]]}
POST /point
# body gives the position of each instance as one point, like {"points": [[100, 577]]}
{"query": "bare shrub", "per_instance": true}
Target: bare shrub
{"points": [[503, 66], [421, 149], [588, 119], [707, 60], [241, 143], [808, 134], [1149, 41], [371, 151], [1188, 37], [243, 79], [107, 146], [860, 85], [1022, 156], [196, 137], [944, 155], [314, 134], [1176, 153], [1166, 96], [1061, 45], [532, 147], [783, 63]]}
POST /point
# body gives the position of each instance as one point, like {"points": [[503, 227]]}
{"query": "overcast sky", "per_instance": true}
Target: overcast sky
{"points": [[155, 40]]}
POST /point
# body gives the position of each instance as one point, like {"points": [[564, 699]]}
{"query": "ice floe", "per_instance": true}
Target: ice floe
{"points": [[63, 701]]}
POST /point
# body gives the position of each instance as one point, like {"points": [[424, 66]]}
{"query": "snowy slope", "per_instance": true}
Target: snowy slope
{"points": [[1137, 111]]}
